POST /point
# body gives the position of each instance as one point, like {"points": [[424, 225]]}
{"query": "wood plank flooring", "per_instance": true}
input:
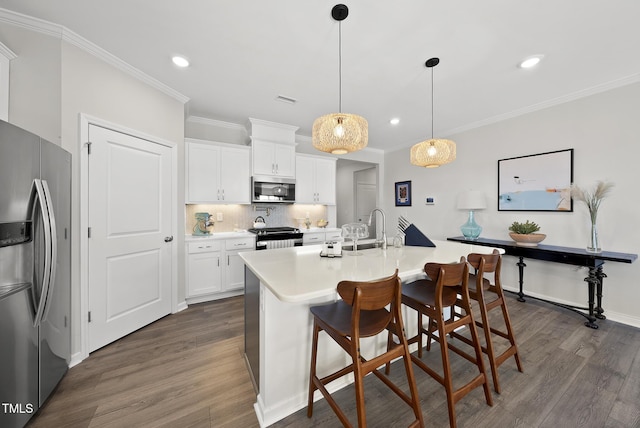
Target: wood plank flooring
{"points": [[187, 370]]}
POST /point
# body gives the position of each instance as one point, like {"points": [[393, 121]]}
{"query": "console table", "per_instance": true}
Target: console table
{"points": [[566, 255]]}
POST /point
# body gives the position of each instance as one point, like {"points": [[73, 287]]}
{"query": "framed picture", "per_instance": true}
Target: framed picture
{"points": [[403, 194], [539, 182]]}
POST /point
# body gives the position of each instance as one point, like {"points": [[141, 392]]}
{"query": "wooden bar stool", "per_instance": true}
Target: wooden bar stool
{"points": [[431, 297], [362, 313], [491, 296]]}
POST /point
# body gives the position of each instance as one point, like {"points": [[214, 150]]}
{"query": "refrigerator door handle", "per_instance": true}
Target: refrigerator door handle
{"points": [[53, 253], [38, 196]]}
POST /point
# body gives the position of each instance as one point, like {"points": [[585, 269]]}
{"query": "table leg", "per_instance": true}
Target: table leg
{"points": [[593, 282], [521, 266], [599, 311]]}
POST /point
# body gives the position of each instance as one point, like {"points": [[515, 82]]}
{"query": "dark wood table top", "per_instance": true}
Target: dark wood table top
{"points": [[553, 253]]}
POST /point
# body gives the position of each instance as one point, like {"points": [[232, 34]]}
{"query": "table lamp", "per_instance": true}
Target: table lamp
{"points": [[471, 200]]}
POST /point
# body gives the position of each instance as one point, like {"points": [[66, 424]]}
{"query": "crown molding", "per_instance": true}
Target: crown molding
{"points": [[6, 52], [628, 80], [50, 29]]}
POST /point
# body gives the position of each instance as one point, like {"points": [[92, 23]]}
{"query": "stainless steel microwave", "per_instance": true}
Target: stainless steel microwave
{"points": [[273, 189]]}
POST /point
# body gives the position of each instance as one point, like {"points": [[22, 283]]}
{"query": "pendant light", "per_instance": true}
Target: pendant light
{"points": [[436, 151], [340, 133]]}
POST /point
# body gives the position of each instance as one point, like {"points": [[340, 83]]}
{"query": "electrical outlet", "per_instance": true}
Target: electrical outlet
{"points": [[430, 201], [219, 217]]}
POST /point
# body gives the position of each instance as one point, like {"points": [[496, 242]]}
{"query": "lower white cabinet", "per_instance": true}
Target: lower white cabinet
{"points": [[315, 237], [204, 268], [214, 268], [234, 278]]}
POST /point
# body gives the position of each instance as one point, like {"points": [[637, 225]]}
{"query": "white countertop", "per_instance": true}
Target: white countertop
{"points": [[299, 274]]}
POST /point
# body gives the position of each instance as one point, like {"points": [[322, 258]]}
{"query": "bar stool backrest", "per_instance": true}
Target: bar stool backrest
{"points": [[372, 295]]}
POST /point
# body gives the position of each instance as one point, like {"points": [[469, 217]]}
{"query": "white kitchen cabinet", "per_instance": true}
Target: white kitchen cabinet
{"points": [[311, 238], [218, 173], [273, 159], [314, 236], [204, 268], [315, 180], [234, 269], [215, 269], [333, 235]]}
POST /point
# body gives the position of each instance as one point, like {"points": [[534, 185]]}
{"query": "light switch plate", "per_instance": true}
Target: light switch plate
{"points": [[219, 217]]}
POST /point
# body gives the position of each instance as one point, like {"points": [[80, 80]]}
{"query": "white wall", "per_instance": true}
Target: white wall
{"points": [[34, 86], [603, 130]]}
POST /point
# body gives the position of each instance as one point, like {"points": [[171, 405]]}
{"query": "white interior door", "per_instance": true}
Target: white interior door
{"points": [[366, 196], [130, 219]]}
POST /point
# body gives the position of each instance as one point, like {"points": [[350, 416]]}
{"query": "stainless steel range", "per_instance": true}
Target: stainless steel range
{"points": [[277, 237]]}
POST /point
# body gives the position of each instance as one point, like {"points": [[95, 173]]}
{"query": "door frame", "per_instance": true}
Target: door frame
{"points": [[85, 121]]}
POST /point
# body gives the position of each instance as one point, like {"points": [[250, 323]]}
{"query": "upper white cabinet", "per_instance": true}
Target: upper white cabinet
{"points": [[273, 148], [315, 180], [273, 159], [218, 173]]}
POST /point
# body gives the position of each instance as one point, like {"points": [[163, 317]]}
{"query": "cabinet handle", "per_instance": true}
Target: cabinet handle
{"points": [[244, 244], [218, 261], [223, 194], [273, 168], [168, 238], [218, 194], [228, 262]]}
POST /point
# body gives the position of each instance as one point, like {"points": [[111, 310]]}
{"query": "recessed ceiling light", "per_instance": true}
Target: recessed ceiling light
{"points": [[394, 121], [180, 61], [531, 61]]}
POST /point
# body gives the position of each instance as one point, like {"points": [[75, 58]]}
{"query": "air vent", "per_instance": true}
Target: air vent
{"points": [[285, 99]]}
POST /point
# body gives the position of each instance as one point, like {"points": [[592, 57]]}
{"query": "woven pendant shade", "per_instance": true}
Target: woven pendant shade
{"points": [[433, 153], [340, 133], [436, 151]]}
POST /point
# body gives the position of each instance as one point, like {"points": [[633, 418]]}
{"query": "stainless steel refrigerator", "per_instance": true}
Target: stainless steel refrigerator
{"points": [[35, 271]]}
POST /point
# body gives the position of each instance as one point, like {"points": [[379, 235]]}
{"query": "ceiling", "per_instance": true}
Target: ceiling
{"points": [[245, 53]]}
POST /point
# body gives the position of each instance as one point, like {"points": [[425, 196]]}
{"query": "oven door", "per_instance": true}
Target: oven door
{"points": [[270, 244]]}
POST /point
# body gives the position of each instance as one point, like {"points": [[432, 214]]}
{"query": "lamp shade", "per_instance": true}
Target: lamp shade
{"points": [[472, 200], [340, 133], [433, 153]]}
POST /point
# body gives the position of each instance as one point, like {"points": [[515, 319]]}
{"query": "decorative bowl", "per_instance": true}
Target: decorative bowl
{"points": [[528, 240], [322, 223]]}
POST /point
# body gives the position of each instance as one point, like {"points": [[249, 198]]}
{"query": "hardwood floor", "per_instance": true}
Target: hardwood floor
{"points": [[187, 370]]}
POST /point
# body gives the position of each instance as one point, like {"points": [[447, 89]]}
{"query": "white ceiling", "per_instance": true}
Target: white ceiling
{"points": [[244, 53]]}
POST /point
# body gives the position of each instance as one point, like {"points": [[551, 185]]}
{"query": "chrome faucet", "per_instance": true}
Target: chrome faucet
{"points": [[383, 244]]}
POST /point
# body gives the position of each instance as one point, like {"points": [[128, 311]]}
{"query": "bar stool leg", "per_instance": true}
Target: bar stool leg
{"points": [[312, 376]]}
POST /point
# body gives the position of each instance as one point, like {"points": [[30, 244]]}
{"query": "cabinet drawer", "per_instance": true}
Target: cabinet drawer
{"points": [[204, 246], [312, 238], [334, 236], [240, 244]]}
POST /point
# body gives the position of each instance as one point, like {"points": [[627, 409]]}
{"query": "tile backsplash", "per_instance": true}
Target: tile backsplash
{"points": [[242, 216]]}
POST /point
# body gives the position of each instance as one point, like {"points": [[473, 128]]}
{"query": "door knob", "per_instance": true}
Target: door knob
{"points": [[168, 238]]}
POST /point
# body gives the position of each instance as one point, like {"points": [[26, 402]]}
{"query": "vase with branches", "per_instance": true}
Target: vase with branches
{"points": [[592, 199]]}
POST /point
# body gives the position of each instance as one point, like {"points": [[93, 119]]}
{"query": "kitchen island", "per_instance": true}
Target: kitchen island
{"points": [[281, 285]]}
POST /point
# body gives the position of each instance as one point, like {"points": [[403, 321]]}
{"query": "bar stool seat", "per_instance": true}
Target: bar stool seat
{"points": [[362, 313]]}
